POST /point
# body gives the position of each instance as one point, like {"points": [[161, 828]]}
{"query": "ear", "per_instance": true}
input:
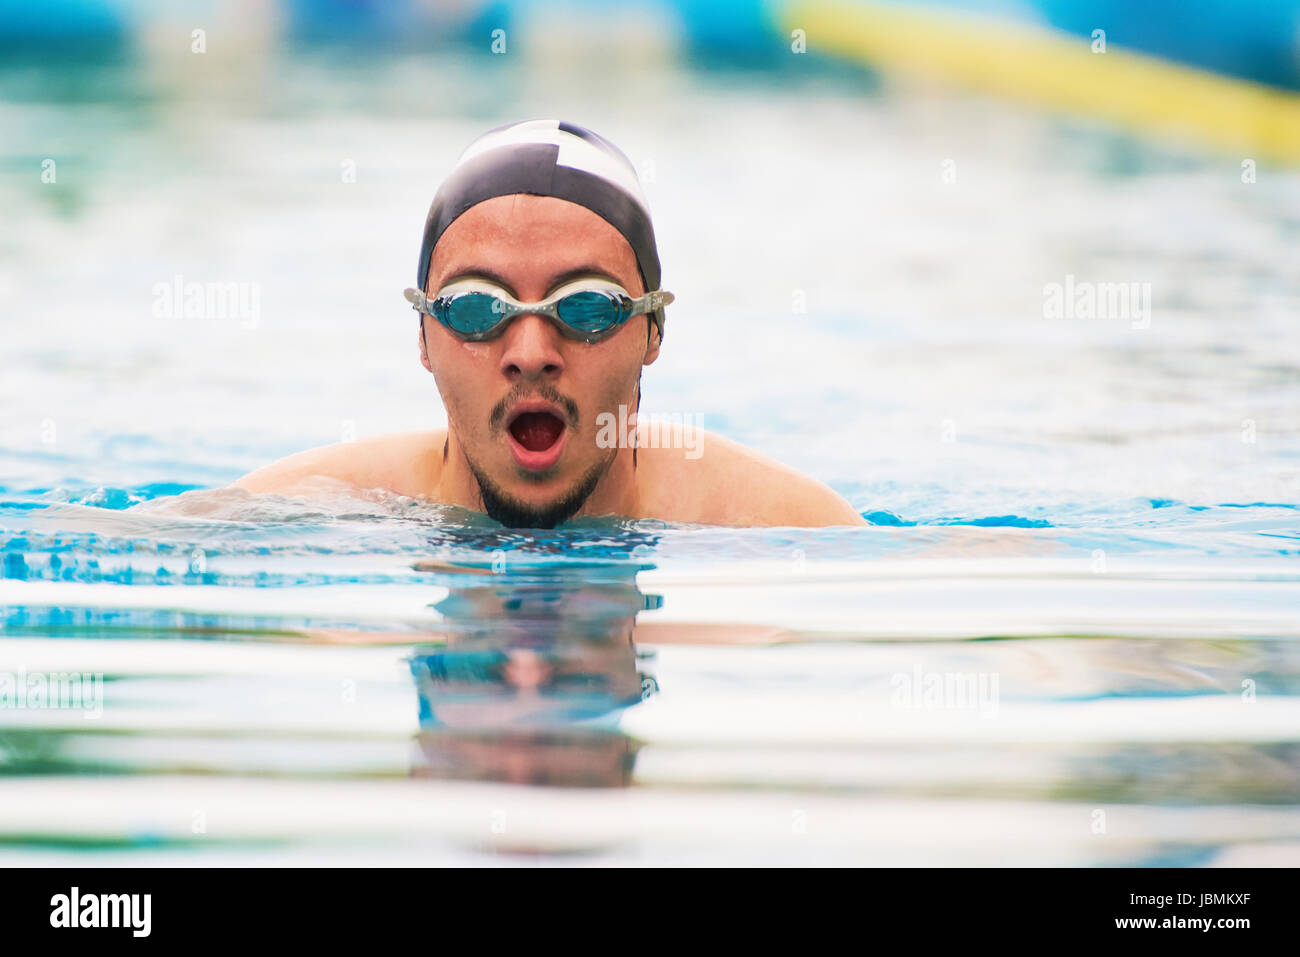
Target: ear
{"points": [[652, 338], [424, 349]]}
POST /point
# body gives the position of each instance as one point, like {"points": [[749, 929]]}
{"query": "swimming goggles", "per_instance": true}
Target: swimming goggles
{"points": [[586, 309]]}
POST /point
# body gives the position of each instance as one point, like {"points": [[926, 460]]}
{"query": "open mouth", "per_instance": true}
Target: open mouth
{"points": [[536, 435], [536, 431]]}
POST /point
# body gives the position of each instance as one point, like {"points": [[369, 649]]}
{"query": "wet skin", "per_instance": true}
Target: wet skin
{"points": [[531, 245]]}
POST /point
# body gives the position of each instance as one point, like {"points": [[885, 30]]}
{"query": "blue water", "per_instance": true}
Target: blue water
{"points": [[1093, 524]]}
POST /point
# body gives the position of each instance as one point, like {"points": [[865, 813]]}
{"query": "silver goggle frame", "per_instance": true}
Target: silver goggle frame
{"points": [[507, 307]]}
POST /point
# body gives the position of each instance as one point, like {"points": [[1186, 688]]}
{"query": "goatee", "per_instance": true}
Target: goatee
{"points": [[513, 513]]}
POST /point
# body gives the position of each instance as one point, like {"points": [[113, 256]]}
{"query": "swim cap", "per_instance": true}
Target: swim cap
{"points": [[548, 158]]}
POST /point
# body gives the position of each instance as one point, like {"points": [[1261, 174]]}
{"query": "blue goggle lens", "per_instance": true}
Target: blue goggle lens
{"points": [[591, 311], [588, 311], [471, 314]]}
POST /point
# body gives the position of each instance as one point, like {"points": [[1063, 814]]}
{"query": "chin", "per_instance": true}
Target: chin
{"points": [[542, 501]]}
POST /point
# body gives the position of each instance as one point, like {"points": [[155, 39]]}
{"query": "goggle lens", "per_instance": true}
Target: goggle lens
{"points": [[471, 313], [591, 311], [588, 311], [475, 310]]}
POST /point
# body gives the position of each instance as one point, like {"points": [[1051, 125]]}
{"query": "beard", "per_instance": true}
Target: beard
{"points": [[512, 512], [502, 507]]}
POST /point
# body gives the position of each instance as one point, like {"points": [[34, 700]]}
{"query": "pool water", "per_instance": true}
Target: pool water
{"points": [[1071, 635]]}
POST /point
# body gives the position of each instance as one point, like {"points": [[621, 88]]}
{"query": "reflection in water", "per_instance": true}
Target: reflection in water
{"points": [[537, 666]]}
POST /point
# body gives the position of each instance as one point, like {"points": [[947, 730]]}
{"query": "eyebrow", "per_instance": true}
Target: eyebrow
{"points": [[482, 272]]}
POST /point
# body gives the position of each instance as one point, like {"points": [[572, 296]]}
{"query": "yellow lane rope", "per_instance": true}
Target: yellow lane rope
{"points": [[1054, 69]]}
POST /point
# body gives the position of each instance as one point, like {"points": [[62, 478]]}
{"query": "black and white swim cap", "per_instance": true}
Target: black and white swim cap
{"points": [[548, 158]]}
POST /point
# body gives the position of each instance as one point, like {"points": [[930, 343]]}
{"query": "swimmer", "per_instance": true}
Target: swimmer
{"points": [[539, 303]]}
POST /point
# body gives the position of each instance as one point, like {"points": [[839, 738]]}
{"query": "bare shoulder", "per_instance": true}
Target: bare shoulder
{"points": [[407, 463], [721, 482]]}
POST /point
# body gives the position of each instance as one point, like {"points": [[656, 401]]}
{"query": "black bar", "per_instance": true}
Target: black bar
{"points": [[333, 906]]}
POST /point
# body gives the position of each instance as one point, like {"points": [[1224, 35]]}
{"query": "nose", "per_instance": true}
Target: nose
{"points": [[530, 350]]}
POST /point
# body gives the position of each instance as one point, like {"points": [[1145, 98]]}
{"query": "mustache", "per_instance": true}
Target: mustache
{"points": [[548, 393]]}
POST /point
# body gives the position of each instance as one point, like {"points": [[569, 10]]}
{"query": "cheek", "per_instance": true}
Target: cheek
{"points": [[612, 383], [462, 371]]}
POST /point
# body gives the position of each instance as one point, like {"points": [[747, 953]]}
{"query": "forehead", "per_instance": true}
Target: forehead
{"points": [[530, 239]]}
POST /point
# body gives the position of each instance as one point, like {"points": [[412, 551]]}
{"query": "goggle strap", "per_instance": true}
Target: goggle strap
{"points": [[418, 300]]}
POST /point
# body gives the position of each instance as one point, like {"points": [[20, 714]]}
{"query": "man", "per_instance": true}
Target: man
{"points": [[539, 304]]}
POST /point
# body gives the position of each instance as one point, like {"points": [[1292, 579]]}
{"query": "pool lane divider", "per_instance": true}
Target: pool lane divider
{"points": [[1046, 67]]}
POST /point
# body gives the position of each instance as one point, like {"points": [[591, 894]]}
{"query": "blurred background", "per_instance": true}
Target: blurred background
{"points": [[859, 206]]}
